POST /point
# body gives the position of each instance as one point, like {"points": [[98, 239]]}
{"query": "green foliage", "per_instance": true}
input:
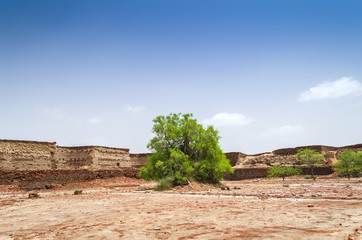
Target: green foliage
{"points": [[307, 176], [164, 184], [286, 185], [347, 185], [183, 149], [311, 158], [349, 163], [71, 187], [283, 172]]}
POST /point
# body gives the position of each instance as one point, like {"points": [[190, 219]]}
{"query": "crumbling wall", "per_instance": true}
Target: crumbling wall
{"points": [[235, 157], [30, 155], [44, 179], [74, 157], [140, 159], [261, 172], [286, 156], [270, 159], [246, 173], [108, 158], [26, 155]]}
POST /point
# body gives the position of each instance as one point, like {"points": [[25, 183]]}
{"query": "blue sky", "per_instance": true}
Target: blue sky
{"points": [[266, 74]]}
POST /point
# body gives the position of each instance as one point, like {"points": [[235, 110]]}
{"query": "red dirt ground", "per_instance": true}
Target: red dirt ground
{"points": [[127, 208]]}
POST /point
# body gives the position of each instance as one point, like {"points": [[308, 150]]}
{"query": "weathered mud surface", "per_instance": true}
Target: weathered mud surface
{"points": [[45, 179], [126, 208]]}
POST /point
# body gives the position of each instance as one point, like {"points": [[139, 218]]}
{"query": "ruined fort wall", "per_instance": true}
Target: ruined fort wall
{"points": [[235, 157], [140, 159], [26, 155], [261, 172], [110, 158], [31, 155], [74, 157], [286, 156]]}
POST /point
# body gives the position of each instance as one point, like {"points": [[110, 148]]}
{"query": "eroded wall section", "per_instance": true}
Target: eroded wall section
{"points": [[286, 156], [26, 155], [30, 155]]}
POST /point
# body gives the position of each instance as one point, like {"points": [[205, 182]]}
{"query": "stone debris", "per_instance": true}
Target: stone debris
{"points": [[33, 195], [78, 192]]}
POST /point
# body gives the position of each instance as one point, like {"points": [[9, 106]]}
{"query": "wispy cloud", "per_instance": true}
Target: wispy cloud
{"points": [[285, 130], [228, 119], [335, 89], [133, 109]]}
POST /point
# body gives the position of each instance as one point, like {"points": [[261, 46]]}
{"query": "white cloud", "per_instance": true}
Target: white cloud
{"points": [[285, 130], [133, 109], [228, 119], [338, 88], [93, 120]]}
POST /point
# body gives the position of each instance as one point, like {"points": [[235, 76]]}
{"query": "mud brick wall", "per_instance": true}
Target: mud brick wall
{"points": [[292, 151], [140, 159], [31, 155], [26, 155], [269, 159], [317, 171], [110, 158], [246, 173], [319, 148], [249, 173], [43, 179], [234, 157], [73, 157]]}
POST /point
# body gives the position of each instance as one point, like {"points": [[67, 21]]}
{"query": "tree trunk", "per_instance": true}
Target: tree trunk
{"points": [[312, 169], [348, 175]]}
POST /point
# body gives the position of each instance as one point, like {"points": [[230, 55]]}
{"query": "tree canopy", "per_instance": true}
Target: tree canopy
{"points": [[278, 171], [183, 149], [311, 158], [349, 163]]}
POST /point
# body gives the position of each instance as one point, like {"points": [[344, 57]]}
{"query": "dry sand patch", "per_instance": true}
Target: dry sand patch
{"points": [[249, 210]]}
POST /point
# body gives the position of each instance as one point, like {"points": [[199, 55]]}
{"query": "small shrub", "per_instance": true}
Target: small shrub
{"points": [[286, 185], [164, 184], [347, 185], [307, 177], [72, 187]]}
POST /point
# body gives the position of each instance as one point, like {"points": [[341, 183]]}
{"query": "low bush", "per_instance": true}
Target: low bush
{"points": [[164, 184], [307, 177]]}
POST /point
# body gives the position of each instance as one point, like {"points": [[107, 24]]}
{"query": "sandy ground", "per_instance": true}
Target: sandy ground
{"points": [[123, 208]]}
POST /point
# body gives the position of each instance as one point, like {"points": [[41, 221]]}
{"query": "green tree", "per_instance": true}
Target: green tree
{"points": [[349, 163], [311, 158], [183, 149], [277, 171]]}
